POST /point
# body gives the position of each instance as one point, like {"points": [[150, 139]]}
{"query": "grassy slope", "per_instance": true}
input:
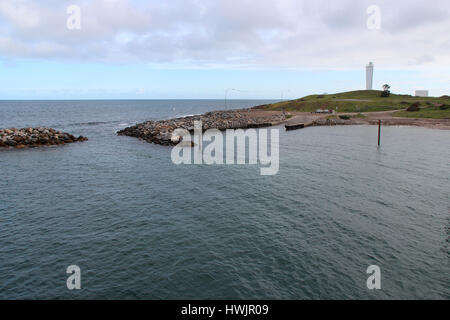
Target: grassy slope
{"points": [[369, 101], [428, 112]]}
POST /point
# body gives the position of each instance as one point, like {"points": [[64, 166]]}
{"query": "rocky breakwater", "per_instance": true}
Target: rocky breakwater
{"points": [[160, 132], [35, 137]]}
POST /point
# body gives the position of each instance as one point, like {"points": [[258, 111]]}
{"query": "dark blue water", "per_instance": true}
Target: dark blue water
{"points": [[140, 227]]}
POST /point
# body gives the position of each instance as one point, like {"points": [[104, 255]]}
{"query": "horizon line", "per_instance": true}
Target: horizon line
{"points": [[149, 99]]}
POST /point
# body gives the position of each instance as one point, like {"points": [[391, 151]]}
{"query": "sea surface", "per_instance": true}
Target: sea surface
{"points": [[140, 227]]}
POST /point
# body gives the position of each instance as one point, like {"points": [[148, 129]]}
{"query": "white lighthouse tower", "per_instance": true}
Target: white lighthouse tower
{"points": [[369, 76]]}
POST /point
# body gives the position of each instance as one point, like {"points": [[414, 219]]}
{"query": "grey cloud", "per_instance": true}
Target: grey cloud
{"points": [[410, 15], [423, 60], [271, 33]]}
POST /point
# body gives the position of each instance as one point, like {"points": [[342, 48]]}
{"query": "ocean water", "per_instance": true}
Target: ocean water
{"points": [[141, 227]]}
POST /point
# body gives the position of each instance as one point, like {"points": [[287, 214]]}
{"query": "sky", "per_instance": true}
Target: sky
{"points": [[206, 49]]}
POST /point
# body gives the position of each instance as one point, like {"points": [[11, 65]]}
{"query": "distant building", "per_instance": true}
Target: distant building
{"points": [[369, 76], [421, 93]]}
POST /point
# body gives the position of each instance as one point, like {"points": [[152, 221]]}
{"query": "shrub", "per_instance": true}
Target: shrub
{"points": [[386, 93], [414, 107]]}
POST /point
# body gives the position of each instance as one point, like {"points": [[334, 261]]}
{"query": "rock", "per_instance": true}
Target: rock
{"points": [[10, 143], [175, 139], [43, 140]]}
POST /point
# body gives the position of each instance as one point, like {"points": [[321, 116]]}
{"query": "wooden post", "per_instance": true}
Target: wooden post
{"points": [[379, 132]]}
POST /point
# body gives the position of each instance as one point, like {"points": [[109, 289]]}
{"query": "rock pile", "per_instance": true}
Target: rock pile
{"points": [[35, 137], [160, 132]]}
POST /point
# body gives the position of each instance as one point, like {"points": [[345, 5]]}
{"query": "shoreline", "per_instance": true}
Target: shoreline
{"points": [[387, 119], [160, 131]]}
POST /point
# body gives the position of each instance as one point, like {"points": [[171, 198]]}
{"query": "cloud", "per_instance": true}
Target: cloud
{"points": [[423, 60], [228, 33], [20, 14]]}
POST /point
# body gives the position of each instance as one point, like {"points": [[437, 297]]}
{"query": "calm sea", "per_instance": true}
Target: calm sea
{"points": [[140, 227]]}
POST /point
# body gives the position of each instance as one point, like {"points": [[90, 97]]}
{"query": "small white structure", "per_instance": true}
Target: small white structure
{"points": [[369, 76], [421, 93]]}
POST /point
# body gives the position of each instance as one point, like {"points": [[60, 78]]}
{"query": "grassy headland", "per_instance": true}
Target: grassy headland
{"points": [[367, 101]]}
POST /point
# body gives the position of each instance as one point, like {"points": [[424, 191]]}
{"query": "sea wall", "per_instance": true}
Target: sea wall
{"points": [[35, 137]]}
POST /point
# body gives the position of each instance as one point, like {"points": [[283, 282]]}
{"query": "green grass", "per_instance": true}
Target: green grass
{"points": [[359, 116], [369, 101], [428, 112]]}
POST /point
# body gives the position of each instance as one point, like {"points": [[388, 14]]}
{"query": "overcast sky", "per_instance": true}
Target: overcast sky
{"points": [[199, 48]]}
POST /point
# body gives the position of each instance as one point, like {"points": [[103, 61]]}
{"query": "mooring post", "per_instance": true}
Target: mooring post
{"points": [[379, 132]]}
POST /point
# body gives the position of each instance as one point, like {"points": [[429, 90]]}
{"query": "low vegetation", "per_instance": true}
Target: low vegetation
{"points": [[432, 112], [357, 101]]}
